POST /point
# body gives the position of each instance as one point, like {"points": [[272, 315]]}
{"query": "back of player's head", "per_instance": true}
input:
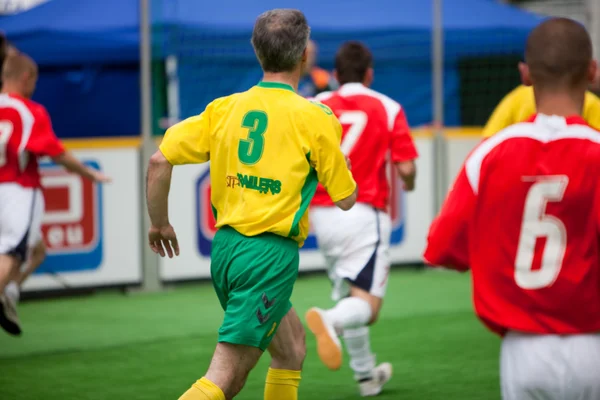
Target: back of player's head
{"points": [[559, 54], [19, 74], [279, 39], [17, 66], [352, 62]]}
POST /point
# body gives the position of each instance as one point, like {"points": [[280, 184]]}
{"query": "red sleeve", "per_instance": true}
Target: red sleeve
{"points": [[403, 147], [43, 141], [448, 240]]}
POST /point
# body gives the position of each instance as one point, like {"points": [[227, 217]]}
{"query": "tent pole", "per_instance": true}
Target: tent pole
{"points": [[150, 267], [594, 25], [439, 144]]}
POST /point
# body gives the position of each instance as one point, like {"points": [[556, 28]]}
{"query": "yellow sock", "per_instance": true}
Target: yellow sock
{"points": [[282, 384], [203, 389]]}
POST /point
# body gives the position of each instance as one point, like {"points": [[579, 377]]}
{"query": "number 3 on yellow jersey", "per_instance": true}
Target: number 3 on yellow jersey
{"points": [[250, 150]]}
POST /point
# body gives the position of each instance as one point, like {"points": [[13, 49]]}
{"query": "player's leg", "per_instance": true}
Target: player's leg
{"points": [[36, 250], [9, 319], [226, 374], [16, 207], [36, 242], [8, 265], [364, 263], [37, 257], [288, 350], [253, 278]]}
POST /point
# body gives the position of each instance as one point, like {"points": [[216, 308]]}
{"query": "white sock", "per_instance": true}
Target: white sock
{"points": [[362, 361], [12, 291], [351, 312]]}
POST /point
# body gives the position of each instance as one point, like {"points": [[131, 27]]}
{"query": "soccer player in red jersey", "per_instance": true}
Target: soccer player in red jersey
{"points": [[355, 243], [25, 135], [524, 217]]}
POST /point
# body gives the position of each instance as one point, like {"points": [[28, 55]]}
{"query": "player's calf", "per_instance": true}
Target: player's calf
{"points": [[37, 257], [9, 319], [288, 351], [227, 373], [288, 347], [8, 265]]}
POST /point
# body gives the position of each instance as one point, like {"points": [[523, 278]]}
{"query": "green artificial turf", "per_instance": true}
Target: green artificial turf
{"points": [[153, 346]]}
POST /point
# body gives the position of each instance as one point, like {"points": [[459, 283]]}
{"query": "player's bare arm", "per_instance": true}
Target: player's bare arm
{"points": [[161, 236], [407, 170], [72, 164], [348, 202]]}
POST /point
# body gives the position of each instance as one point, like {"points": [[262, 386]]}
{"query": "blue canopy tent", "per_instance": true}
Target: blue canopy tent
{"points": [[215, 56], [88, 56]]}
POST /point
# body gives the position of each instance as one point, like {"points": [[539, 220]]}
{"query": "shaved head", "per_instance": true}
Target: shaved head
{"points": [[559, 55], [19, 74], [17, 65]]}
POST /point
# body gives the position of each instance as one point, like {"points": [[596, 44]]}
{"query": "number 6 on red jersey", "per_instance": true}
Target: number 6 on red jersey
{"points": [[537, 224]]}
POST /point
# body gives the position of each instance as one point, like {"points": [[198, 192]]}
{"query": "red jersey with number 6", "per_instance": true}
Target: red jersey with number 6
{"points": [[524, 216], [375, 130], [25, 134]]}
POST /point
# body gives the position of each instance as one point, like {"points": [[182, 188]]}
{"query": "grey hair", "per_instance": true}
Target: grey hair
{"points": [[279, 38]]}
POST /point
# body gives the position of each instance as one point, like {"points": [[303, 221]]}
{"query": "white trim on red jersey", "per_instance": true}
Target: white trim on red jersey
{"points": [[544, 128], [392, 107], [27, 121]]}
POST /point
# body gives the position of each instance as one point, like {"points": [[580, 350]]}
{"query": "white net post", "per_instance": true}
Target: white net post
{"points": [[593, 7], [437, 59], [150, 267]]}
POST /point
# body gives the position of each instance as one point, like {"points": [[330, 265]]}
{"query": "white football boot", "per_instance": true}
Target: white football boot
{"points": [[329, 346], [374, 385]]}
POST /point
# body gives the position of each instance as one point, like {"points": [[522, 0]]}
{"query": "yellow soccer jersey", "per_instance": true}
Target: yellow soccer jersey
{"points": [[268, 148], [519, 105]]}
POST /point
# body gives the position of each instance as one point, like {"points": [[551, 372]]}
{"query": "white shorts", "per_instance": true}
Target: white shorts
{"points": [[550, 367], [356, 245], [16, 213], [35, 230]]}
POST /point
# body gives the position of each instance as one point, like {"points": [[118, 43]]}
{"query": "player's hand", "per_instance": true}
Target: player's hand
{"points": [[163, 241], [348, 163], [99, 177]]}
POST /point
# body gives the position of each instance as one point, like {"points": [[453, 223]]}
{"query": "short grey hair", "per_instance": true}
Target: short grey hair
{"points": [[279, 38]]}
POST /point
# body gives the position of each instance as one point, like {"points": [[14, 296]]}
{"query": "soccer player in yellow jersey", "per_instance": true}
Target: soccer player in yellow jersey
{"points": [[519, 105], [268, 148]]}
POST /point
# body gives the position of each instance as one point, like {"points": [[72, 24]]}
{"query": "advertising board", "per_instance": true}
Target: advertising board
{"points": [[91, 231], [191, 215]]}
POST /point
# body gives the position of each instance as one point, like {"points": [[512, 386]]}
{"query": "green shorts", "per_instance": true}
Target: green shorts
{"points": [[254, 278]]}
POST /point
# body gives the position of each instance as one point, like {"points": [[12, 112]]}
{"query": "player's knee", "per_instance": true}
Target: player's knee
{"points": [[375, 303]]}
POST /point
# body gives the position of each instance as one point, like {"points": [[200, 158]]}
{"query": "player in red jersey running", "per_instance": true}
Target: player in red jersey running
{"points": [[524, 217], [355, 243], [25, 135]]}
